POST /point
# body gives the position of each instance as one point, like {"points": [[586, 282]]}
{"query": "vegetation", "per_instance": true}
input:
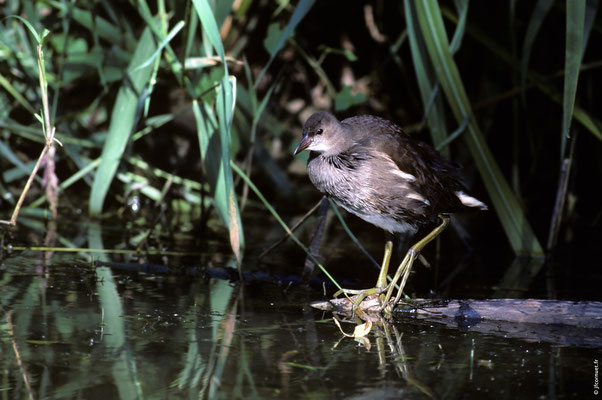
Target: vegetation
{"points": [[182, 116], [128, 83]]}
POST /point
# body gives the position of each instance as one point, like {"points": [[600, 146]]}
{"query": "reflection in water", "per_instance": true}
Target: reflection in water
{"points": [[71, 330], [389, 346]]}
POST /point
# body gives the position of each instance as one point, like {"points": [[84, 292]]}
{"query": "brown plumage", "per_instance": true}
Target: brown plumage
{"points": [[373, 169]]}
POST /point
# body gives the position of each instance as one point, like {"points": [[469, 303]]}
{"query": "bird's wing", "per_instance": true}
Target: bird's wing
{"points": [[436, 178], [430, 174]]}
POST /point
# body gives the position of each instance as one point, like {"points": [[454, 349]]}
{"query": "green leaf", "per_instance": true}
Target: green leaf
{"points": [[273, 38], [215, 149], [517, 228], [300, 11], [16, 94], [174, 31], [98, 26], [113, 323], [348, 54], [30, 27], [575, 21], [346, 99], [462, 7], [434, 111], [210, 26], [592, 124], [123, 119], [221, 10], [10, 156], [247, 103], [541, 10]]}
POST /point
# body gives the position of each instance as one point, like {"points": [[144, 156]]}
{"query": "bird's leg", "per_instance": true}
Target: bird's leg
{"points": [[403, 271], [381, 282]]}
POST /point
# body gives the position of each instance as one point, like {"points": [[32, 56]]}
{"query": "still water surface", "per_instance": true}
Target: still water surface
{"points": [[71, 329]]}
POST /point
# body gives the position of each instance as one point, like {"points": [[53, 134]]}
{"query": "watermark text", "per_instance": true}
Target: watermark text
{"points": [[596, 381]]}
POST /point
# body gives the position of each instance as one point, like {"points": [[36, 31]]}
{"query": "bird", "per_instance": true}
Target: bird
{"points": [[370, 167]]}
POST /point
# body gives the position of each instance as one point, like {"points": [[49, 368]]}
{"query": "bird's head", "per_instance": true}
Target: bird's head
{"points": [[323, 133]]}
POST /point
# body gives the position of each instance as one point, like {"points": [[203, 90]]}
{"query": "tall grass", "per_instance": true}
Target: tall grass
{"points": [[241, 75], [518, 229], [110, 69]]}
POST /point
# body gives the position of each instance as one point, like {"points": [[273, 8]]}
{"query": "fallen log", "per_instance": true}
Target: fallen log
{"points": [[581, 314], [563, 323]]}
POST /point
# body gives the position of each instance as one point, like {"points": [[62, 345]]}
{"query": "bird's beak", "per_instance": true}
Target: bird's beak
{"points": [[303, 144]]}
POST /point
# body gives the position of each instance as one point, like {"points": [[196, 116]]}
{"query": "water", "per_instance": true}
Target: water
{"points": [[73, 329]]}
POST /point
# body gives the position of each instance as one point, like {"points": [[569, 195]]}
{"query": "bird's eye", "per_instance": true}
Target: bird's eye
{"points": [[319, 131]]}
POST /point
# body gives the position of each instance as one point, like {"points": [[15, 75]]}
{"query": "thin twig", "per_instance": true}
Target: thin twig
{"points": [[563, 179], [13, 218], [371, 25], [293, 228], [24, 374], [267, 205], [49, 131], [316, 240]]}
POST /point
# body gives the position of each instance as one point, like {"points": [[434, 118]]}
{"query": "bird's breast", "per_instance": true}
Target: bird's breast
{"points": [[384, 199], [332, 175]]}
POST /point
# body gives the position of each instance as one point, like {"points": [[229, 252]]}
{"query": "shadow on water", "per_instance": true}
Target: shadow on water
{"points": [[75, 328]]}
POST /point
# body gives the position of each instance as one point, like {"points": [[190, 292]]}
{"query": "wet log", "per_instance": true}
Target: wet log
{"points": [[561, 323], [580, 314]]}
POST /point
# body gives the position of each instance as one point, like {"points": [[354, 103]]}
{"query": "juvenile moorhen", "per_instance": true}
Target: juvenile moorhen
{"points": [[373, 169]]}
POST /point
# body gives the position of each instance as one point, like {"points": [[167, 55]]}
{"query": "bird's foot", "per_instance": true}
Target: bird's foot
{"points": [[362, 295]]}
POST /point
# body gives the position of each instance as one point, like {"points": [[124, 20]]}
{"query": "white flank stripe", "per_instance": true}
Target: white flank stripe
{"points": [[470, 201], [404, 175], [418, 197]]}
